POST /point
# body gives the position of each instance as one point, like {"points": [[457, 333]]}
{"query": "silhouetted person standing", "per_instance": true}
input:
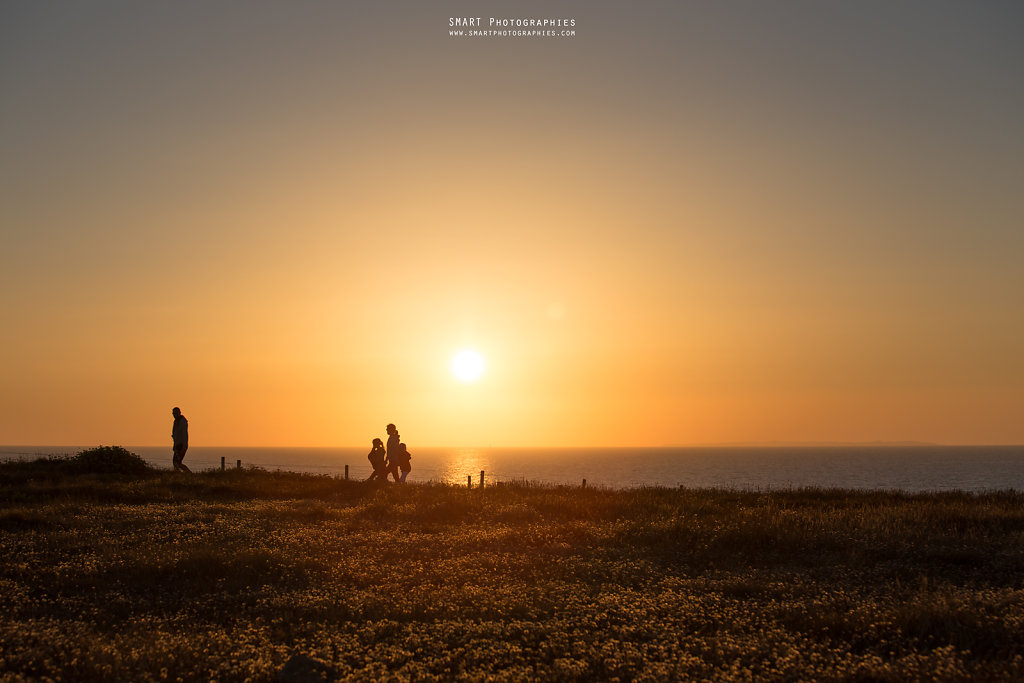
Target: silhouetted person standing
{"points": [[405, 461], [394, 452], [376, 457], [179, 435]]}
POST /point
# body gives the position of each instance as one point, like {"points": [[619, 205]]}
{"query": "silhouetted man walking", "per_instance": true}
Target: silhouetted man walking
{"points": [[393, 458], [179, 435]]}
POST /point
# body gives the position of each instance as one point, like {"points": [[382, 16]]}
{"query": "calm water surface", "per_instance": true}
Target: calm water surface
{"points": [[910, 468]]}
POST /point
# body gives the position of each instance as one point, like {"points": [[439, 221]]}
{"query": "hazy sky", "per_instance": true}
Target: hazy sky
{"points": [[691, 222]]}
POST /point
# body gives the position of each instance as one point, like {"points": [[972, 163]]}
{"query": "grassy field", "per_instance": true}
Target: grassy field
{"points": [[144, 575]]}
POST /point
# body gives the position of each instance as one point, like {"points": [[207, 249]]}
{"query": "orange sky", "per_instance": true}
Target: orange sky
{"points": [[686, 224]]}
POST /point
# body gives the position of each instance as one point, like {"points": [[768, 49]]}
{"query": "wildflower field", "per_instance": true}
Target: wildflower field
{"points": [[226, 576]]}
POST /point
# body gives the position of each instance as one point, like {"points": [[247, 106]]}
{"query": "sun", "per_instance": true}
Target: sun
{"points": [[467, 365]]}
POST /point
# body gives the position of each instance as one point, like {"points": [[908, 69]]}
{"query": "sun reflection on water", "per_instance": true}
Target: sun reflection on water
{"points": [[463, 462]]}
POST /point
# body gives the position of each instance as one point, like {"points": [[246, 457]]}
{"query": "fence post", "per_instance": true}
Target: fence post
{"points": [[481, 478], [222, 463], [346, 472], [584, 483], [469, 481], [238, 464]]}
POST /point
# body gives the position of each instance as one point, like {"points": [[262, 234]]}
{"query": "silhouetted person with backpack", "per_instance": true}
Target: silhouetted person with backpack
{"points": [[404, 461], [179, 436], [393, 458], [376, 458]]}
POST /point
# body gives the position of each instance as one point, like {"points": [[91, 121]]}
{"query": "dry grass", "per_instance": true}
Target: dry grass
{"points": [[224, 575]]}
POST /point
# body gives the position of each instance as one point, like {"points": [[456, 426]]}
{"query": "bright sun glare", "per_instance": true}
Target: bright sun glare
{"points": [[467, 365]]}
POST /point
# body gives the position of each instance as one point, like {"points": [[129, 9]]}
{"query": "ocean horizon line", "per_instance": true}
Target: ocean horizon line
{"points": [[914, 467], [711, 445]]}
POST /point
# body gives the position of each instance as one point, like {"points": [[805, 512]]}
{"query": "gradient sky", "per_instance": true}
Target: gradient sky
{"points": [[693, 222]]}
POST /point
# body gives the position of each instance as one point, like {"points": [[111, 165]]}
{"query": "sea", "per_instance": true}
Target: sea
{"points": [[917, 468]]}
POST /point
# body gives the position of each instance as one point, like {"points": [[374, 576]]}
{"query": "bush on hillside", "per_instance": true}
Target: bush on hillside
{"points": [[103, 460], [109, 460]]}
